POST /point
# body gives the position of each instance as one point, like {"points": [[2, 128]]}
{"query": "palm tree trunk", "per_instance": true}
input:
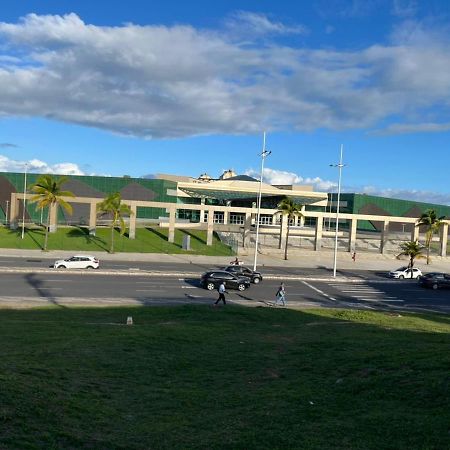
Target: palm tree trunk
{"points": [[281, 232], [47, 228], [429, 239], [111, 248], [287, 239]]}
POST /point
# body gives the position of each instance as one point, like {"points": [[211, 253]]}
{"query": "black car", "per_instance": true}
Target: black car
{"points": [[435, 280], [212, 279], [242, 271]]}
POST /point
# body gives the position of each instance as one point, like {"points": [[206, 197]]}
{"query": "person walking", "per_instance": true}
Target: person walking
{"points": [[281, 295], [222, 292], [354, 256]]}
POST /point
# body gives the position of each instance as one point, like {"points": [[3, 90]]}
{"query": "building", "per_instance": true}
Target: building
{"points": [[228, 205]]}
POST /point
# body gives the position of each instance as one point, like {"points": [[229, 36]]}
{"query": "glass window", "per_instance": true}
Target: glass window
{"points": [[237, 219]]}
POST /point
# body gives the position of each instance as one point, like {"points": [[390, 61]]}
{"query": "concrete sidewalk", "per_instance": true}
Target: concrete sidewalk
{"points": [[297, 259]]}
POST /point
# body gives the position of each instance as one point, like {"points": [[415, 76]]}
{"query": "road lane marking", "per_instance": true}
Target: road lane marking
{"points": [[319, 291], [37, 288], [150, 290], [362, 291], [379, 300]]}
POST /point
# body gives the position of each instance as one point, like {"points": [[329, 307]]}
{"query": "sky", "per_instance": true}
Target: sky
{"points": [[149, 86]]}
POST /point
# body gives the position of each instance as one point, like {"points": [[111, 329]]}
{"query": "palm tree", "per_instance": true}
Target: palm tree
{"points": [[413, 250], [113, 205], [49, 194], [433, 223], [288, 208]]}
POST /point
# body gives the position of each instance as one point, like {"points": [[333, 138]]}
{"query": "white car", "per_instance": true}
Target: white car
{"points": [[405, 272], [77, 262]]}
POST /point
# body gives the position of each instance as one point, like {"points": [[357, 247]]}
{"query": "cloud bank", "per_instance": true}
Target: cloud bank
{"points": [[38, 166], [178, 81], [281, 177]]}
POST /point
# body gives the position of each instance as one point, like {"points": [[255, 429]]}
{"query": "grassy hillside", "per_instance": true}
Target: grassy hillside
{"points": [[148, 240], [223, 378]]}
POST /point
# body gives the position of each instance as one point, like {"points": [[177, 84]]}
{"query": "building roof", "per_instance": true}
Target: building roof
{"points": [[233, 189]]}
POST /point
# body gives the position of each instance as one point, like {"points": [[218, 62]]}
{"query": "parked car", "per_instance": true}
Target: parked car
{"points": [[435, 280], [242, 271], [77, 262], [212, 279], [405, 272]]}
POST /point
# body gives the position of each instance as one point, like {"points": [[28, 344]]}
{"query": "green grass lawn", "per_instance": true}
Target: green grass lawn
{"points": [[196, 377], [148, 240]]}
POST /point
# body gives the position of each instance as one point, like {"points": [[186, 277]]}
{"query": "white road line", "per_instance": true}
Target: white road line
{"points": [[379, 300], [319, 291], [53, 281], [362, 290], [150, 290], [34, 288]]}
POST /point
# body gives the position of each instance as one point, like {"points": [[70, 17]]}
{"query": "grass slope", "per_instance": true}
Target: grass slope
{"points": [[225, 378], [148, 240]]}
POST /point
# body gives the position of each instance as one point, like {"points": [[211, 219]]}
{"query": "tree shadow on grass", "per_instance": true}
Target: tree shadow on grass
{"points": [[194, 237], [32, 235], [83, 232], [162, 236]]}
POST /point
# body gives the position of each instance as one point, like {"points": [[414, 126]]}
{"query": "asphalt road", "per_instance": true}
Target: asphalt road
{"points": [[93, 288], [43, 263]]}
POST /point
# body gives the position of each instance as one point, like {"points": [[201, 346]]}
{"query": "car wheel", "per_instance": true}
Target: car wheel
{"points": [[401, 277], [256, 280], [210, 286], [61, 267], [241, 287], [435, 286], [89, 267]]}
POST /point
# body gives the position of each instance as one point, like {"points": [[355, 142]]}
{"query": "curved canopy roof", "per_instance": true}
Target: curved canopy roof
{"points": [[234, 189]]}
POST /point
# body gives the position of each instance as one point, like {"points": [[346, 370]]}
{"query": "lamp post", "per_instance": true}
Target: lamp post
{"points": [[7, 212], [24, 200], [264, 154], [339, 166]]}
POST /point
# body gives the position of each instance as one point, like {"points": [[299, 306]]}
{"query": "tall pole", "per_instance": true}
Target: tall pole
{"points": [[264, 154], [339, 166], [7, 212], [24, 200]]}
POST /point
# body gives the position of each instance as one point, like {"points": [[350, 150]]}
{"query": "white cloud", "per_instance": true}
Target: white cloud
{"points": [[166, 82], [406, 128], [281, 177], [38, 166], [245, 22], [412, 195]]}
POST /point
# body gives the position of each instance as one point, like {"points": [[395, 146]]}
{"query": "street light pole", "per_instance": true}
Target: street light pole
{"points": [[264, 154], [7, 212], [339, 166], [24, 200]]}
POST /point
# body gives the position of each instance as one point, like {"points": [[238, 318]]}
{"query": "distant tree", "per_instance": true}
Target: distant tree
{"points": [[113, 206], [287, 207], [413, 250], [433, 223], [49, 194]]}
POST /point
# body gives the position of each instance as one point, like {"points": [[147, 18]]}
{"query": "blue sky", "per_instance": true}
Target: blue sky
{"points": [[144, 87]]}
